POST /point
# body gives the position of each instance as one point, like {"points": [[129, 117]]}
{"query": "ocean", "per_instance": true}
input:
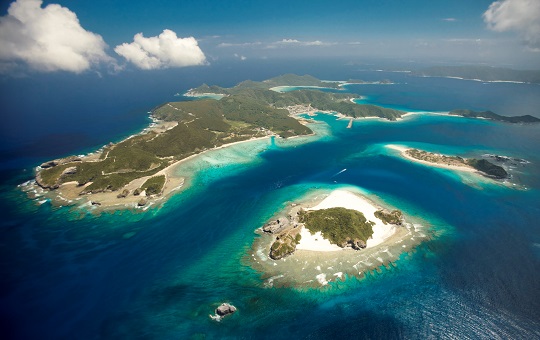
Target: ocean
{"points": [[71, 273]]}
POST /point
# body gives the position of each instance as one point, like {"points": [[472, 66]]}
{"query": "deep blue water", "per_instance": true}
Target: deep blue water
{"points": [[69, 274]]}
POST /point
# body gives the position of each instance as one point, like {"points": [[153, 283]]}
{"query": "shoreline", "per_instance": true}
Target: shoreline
{"points": [[317, 265], [67, 193]]}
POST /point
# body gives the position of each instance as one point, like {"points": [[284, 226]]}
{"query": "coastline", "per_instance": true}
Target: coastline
{"points": [[317, 263], [68, 193]]}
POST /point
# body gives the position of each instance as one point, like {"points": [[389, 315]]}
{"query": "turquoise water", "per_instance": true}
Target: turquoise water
{"points": [[71, 274]]}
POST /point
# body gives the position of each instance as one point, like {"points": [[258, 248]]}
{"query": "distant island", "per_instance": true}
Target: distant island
{"points": [[493, 116], [481, 73], [140, 168]]}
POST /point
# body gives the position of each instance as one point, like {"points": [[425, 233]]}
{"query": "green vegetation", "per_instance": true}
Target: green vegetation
{"points": [[393, 217], [436, 158], [338, 225], [284, 245], [488, 168], [493, 116], [154, 185]]}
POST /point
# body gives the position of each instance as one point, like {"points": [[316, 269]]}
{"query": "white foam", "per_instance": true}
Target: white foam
{"points": [[322, 279]]}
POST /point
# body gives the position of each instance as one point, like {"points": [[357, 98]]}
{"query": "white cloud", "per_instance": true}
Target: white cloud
{"points": [[48, 39], [522, 16], [163, 51], [450, 19], [246, 44], [301, 43], [241, 57]]}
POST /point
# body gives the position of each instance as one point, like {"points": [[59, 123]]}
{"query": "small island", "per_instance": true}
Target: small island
{"points": [[482, 166], [344, 232]]}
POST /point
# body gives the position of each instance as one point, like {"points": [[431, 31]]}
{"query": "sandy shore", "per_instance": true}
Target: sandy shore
{"points": [[403, 154], [346, 199]]}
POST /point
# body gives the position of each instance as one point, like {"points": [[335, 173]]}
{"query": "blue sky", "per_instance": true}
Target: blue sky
{"points": [[186, 33]]}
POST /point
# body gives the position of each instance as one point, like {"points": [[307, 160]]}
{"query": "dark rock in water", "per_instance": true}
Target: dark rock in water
{"points": [[95, 203], [222, 311], [142, 202], [225, 309], [277, 226]]}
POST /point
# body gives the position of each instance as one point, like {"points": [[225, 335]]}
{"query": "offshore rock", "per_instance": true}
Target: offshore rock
{"points": [[222, 311]]}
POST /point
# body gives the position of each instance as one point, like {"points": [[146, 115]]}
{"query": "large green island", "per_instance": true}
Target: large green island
{"points": [[139, 168]]}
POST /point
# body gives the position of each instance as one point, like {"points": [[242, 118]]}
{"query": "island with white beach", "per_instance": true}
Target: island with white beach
{"points": [[344, 228], [480, 166]]}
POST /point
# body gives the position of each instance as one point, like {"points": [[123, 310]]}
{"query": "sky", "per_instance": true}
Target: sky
{"points": [[115, 36]]}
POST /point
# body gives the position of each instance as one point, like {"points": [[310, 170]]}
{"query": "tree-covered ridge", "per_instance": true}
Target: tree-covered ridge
{"points": [[340, 226]]}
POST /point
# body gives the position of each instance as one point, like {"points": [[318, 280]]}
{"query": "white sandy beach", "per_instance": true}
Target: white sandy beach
{"points": [[345, 199]]}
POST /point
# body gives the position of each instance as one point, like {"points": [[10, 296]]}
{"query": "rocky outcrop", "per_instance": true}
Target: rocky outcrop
{"points": [[68, 171], [277, 226], [72, 170], [222, 311], [355, 244], [142, 202], [285, 244], [44, 185], [123, 194], [60, 161]]}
